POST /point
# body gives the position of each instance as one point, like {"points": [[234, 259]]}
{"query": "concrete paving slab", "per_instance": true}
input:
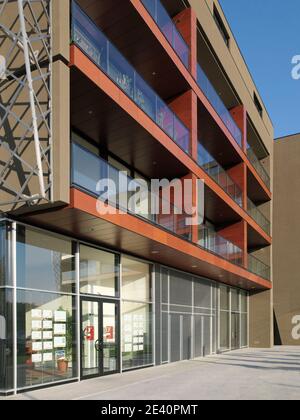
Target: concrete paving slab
{"points": [[251, 374]]}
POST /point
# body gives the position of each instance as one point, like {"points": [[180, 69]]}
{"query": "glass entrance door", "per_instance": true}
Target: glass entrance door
{"points": [[235, 331], [100, 343]]}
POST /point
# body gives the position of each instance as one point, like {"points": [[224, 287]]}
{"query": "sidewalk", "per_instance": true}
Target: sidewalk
{"points": [[247, 374]]}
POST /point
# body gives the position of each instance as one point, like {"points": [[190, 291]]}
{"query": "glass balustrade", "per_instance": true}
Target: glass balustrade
{"points": [[216, 172], [88, 37], [119, 190], [213, 242], [217, 103], [259, 217], [168, 28], [125, 193], [258, 166], [258, 267]]}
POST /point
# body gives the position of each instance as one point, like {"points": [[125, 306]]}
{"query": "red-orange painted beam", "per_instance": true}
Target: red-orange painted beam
{"points": [[88, 204], [186, 107], [186, 23]]}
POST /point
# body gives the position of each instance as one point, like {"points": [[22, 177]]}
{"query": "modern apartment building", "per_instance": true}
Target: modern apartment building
{"points": [[286, 243], [128, 89]]}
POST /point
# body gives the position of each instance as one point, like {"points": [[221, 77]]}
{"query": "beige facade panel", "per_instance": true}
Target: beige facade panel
{"points": [[261, 332], [286, 239], [61, 28], [61, 133]]}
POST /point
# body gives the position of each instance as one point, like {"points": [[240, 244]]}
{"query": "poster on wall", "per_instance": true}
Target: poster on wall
{"points": [[128, 348], [38, 346], [37, 358], [47, 325], [60, 316], [59, 342], [36, 313], [36, 325], [48, 345], [59, 329], [47, 357], [47, 335], [60, 354], [36, 335], [47, 314]]}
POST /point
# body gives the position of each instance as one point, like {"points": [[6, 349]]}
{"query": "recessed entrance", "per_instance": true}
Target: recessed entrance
{"points": [[100, 338]]}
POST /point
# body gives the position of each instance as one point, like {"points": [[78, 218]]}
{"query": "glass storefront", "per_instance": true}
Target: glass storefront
{"points": [[46, 332], [80, 311], [6, 343], [137, 349], [233, 319]]}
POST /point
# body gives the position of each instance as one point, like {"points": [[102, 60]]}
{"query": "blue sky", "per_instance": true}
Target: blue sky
{"points": [[268, 33]]}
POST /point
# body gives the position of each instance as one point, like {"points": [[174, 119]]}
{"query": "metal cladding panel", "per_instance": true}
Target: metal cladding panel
{"points": [[25, 103]]}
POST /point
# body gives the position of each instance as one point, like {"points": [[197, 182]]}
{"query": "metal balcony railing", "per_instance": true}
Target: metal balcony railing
{"points": [[259, 217], [168, 28], [88, 169], [218, 174], [88, 37], [217, 103], [258, 166], [258, 267], [213, 242]]}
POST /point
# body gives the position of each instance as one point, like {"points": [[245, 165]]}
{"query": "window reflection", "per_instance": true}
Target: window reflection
{"points": [[99, 272], [44, 261], [136, 282]]}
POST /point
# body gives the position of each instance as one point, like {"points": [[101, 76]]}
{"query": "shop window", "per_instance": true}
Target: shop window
{"points": [[99, 272], [137, 335], [46, 338], [44, 262], [6, 345], [136, 280], [224, 298]]}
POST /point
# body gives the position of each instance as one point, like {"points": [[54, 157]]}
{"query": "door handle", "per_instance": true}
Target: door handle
{"points": [[98, 345]]}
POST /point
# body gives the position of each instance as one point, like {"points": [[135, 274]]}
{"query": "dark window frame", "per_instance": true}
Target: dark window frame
{"points": [[258, 104], [221, 26]]}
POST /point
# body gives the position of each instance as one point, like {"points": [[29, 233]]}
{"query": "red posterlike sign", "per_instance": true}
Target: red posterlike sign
{"points": [[109, 333], [89, 333]]}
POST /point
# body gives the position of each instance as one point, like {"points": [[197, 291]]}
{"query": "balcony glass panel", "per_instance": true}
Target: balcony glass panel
{"points": [[215, 100], [88, 37], [213, 242], [165, 118], [218, 174], [144, 97], [120, 71], [88, 169], [259, 217], [258, 166], [168, 28], [259, 268]]}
